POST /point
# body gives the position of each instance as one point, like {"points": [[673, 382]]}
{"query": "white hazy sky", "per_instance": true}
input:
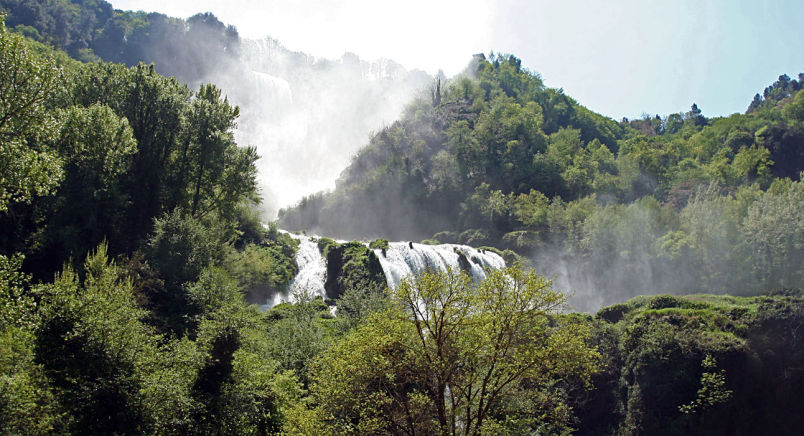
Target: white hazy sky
{"points": [[617, 57]]}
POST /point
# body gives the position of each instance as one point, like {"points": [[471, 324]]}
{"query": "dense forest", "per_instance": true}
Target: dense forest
{"points": [[322, 109], [131, 259], [89, 30]]}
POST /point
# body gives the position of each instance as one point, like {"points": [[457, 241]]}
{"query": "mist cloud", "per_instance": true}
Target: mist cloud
{"points": [[309, 116]]}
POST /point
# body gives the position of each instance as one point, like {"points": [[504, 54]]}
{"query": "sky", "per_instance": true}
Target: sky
{"points": [[621, 58]]}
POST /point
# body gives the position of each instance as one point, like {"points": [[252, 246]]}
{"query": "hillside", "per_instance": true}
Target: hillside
{"points": [[132, 256], [305, 115], [675, 204]]}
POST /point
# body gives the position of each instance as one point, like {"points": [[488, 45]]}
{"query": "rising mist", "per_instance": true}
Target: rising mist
{"points": [[306, 116]]}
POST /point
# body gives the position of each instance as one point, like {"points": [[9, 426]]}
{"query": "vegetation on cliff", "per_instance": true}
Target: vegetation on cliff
{"points": [[682, 203]]}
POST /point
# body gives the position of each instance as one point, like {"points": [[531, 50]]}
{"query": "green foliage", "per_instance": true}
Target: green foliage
{"points": [[452, 357], [213, 290], [357, 304], [379, 244], [217, 173], [180, 249], [774, 231], [182, 246], [82, 360], [324, 243], [531, 209], [29, 168], [299, 334], [27, 405], [712, 391], [351, 265], [96, 144], [239, 388], [91, 29], [261, 271], [673, 365], [96, 148], [94, 348]]}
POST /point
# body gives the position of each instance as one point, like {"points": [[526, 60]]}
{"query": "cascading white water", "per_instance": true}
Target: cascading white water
{"points": [[399, 260], [311, 275], [270, 90], [403, 259], [308, 116]]}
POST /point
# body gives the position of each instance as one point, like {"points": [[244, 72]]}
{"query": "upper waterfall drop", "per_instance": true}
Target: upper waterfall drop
{"points": [[272, 90]]}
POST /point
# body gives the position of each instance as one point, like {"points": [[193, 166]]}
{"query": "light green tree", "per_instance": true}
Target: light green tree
{"points": [[95, 350], [774, 233], [27, 405], [447, 359], [531, 209], [712, 391], [26, 168]]}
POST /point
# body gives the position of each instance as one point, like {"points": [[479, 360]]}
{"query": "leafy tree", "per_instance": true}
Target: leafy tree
{"points": [[445, 174], [27, 168], [711, 220], [27, 404], [695, 116], [180, 249], [299, 334], [218, 175], [182, 246], [531, 209], [451, 357], [93, 347], [467, 150], [794, 110], [154, 107], [238, 387], [97, 148], [773, 232], [357, 304]]}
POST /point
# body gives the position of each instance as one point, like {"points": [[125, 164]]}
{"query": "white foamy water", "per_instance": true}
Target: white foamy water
{"points": [[400, 260], [403, 259], [311, 275]]}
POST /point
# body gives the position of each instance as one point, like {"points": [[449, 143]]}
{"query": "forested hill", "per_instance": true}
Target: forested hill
{"points": [[675, 203], [91, 29], [306, 115], [130, 253]]}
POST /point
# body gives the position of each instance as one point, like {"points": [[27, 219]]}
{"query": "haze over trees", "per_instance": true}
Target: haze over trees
{"points": [[616, 209], [320, 109], [131, 257]]}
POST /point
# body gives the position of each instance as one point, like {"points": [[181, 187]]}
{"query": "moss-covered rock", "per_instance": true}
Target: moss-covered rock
{"points": [[265, 268], [324, 243], [656, 349], [446, 237], [463, 261], [379, 244], [351, 265]]}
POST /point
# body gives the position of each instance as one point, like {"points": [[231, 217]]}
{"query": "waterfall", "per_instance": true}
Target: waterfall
{"points": [[403, 259], [399, 260], [311, 275], [271, 90]]}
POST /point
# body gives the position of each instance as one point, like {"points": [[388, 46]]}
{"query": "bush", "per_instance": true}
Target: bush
{"points": [[613, 313]]}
